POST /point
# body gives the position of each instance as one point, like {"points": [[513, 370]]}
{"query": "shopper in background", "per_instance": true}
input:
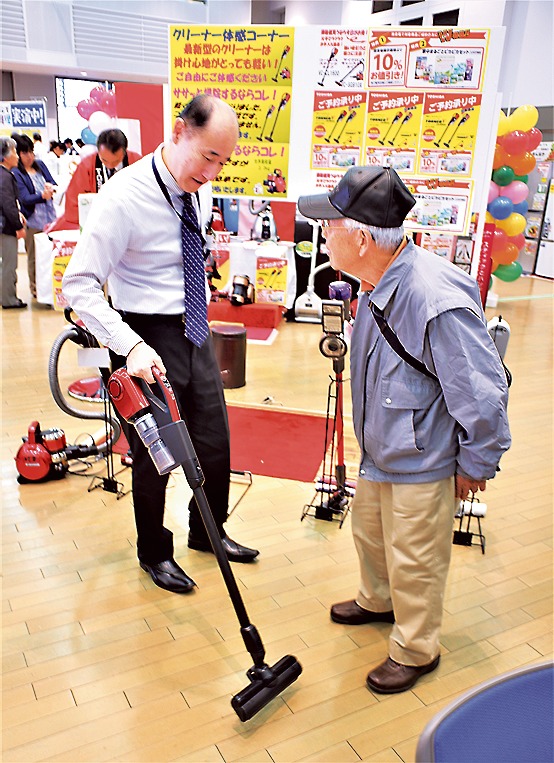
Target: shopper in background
{"points": [[40, 151], [52, 158], [69, 147], [12, 224], [141, 238], [35, 186], [92, 172], [429, 408]]}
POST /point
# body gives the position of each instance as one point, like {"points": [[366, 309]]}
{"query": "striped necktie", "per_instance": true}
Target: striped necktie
{"points": [[196, 310]]}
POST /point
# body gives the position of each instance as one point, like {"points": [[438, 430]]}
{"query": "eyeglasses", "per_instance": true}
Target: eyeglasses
{"points": [[326, 224]]}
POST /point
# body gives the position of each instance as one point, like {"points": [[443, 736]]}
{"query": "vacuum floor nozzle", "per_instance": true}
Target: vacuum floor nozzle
{"points": [[260, 692]]}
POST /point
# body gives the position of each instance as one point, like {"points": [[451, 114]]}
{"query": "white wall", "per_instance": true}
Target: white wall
{"points": [[528, 61]]}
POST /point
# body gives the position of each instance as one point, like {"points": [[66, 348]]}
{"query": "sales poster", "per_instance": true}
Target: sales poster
{"points": [[337, 129], [449, 131], [21, 116], [393, 128], [251, 69], [271, 280], [442, 204], [427, 59], [342, 59]]}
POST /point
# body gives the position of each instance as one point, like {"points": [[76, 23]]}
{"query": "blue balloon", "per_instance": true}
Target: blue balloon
{"points": [[89, 137], [501, 207], [522, 208]]}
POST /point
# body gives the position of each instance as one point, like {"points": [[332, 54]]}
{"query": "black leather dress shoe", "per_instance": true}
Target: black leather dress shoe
{"points": [[350, 613], [18, 305], [170, 576], [391, 677], [235, 552]]}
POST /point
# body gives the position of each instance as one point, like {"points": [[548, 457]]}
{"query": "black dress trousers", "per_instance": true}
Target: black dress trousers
{"points": [[194, 374]]}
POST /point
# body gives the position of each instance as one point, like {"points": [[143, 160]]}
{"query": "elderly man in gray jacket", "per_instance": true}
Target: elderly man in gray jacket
{"points": [[429, 404]]}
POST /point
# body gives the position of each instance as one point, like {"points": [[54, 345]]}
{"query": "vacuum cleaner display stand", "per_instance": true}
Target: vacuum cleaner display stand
{"points": [[132, 397], [333, 492]]}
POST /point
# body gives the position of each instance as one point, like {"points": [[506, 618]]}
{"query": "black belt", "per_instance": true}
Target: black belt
{"points": [[150, 318]]}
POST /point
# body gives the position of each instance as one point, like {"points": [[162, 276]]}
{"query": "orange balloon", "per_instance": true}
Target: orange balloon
{"points": [[506, 256], [500, 157], [522, 164]]}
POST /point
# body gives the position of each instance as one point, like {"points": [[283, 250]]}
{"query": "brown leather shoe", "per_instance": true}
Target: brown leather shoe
{"points": [[391, 677], [350, 613]]}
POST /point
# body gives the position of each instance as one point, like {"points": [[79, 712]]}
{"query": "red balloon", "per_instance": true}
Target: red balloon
{"points": [[534, 137], [97, 94], [500, 157], [499, 241], [518, 241], [86, 107], [522, 164], [515, 142]]}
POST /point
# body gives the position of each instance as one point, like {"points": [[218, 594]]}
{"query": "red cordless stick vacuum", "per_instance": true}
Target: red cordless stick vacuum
{"points": [[165, 434]]}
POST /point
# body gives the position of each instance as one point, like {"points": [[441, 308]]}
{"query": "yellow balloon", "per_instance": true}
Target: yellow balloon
{"points": [[503, 124], [523, 118], [512, 225], [489, 218]]}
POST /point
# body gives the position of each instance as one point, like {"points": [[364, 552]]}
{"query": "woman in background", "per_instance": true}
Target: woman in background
{"points": [[36, 187]]}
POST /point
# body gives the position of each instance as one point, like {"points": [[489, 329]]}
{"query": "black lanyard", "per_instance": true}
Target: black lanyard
{"points": [[182, 218]]}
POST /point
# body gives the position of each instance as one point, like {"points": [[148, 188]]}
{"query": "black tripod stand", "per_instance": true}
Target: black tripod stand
{"points": [[333, 491]]}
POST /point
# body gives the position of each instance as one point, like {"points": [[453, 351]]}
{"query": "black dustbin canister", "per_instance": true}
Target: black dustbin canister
{"points": [[230, 351]]}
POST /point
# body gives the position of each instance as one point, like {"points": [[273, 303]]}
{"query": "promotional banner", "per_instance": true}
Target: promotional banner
{"points": [[393, 128], [342, 58], [337, 129], [21, 116], [442, 204], [449, 131], [438, 59], [251, 69]]}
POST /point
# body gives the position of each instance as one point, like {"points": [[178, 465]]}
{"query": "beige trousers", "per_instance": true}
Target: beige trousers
{"points": [[403, 536]]}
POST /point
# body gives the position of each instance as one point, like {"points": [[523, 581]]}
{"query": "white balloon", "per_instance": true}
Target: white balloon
{"points": [[87, 149], [99, 121]]}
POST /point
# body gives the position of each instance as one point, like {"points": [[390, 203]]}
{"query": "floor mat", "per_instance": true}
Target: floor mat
{"points": [[276, 443]]}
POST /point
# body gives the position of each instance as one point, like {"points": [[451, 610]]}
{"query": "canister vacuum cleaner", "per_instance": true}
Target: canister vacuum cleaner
{"points": [[157, 421], [45, 453]]}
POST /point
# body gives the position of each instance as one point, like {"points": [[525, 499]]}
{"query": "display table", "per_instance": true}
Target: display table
{"points": [[260, 316]]}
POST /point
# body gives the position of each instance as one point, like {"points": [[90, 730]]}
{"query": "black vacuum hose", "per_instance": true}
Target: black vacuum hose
{"points": [[75, 334]]}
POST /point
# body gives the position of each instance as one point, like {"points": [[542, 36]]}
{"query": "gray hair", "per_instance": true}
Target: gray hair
{"points": [[7, 145], [388, 239]]}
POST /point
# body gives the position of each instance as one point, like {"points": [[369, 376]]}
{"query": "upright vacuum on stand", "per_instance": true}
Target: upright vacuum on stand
{"points": [[333, 491]]}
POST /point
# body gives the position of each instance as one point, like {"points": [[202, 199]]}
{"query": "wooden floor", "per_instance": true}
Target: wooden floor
{"points": [[100, 665]]}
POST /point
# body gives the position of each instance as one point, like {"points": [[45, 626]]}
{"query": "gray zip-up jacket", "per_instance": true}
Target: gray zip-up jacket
{"points": [[411, 428]]}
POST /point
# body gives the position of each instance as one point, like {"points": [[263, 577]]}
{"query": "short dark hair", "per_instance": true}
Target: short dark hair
{"points": [[198, 111], [24, 145], [37, 136], [68, 140], [113, 139]]}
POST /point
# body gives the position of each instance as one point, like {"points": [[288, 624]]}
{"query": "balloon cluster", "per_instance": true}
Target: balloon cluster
{"points": [[99, 110], [508, 191]]}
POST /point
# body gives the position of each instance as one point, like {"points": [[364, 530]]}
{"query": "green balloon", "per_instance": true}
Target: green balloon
{"points": [[509, 272], [523, 178], [503, 175]]}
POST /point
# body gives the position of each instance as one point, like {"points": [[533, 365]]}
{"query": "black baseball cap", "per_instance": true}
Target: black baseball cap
{"points": [[371, 195]]}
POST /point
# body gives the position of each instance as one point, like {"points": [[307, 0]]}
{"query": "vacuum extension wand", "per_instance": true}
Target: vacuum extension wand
{"points": [[165, 434]]}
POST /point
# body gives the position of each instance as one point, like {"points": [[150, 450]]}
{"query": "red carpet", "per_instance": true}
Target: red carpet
{"points": [[276, 443]]}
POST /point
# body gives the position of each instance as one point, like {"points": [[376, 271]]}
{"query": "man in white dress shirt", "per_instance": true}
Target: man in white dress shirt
{"points": [[132, 240]]}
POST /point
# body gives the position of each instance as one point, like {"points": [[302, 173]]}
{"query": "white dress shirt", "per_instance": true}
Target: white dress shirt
{"points": [[132, 242]]}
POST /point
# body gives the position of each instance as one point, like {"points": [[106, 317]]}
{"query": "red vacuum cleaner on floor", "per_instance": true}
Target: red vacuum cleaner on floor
{"points": [[157, 420]]}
